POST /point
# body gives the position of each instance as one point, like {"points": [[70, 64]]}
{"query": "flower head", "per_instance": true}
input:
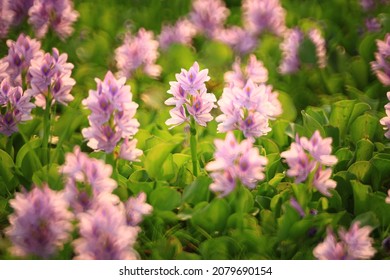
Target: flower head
{"points": [[40, 224], [58, 15], [181, 32], [139, 51], [381, 65], [6, 17], [290, 49], [20, 9], [136, 208], [239, 39], [235, 162]]}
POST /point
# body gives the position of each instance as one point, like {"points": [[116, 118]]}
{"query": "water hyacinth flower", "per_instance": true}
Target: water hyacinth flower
{"points": [[20, 55], [290, 50], [189, 95], [385, 121], [15, 107], [254, 71], [264, 15], [138, 52], [381, 65], [248, 109], [315, 36], [40, 224], [311, 156], [58, 15], [373, 24], [239, 39], [209, 16], [136, 208], [354, 244], [181, 32], [6, 17], [235, 162], [105, 235], [87, 181], [20, 9], [51, 79], [112, 118]]}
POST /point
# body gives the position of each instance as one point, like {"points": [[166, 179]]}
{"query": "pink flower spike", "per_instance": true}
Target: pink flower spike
{"points": [[322, 181], [136, 208], [330, 249], [193, 80]]}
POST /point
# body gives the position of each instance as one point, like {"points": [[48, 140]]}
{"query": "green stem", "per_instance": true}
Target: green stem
{"points": [[193, 144], [46, 132]]}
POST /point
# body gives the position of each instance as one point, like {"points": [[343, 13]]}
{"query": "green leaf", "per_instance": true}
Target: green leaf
{"points": [[156, 157], [311, 124], [213, 216], [360, 196], [364, 126], [198, 191], [220, 248], [289, 111], [364, 149], [165, 198], [362, 170]]}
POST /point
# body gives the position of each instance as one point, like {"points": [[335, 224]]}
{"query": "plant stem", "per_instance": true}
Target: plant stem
{"points": [[193, 144], [46, 132]]}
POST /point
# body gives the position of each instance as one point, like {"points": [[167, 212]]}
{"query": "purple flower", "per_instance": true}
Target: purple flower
{"points": [[235, 162], [50, 78], [139, 51], [40, 224], [319, 43], [6, 17], [58, 15], [128, 150], [248, 109], [18, 107], [181, 32], [290, 49], [355, 244], [239, 39], [373, 24], [104, 234], [209, 16], [86, 181], [264, 15], [112, 117], [20, 55], [307, 156], [136, 208], [189, 95], [294, 203], [20, 9], [367, 4], [381, 65]]}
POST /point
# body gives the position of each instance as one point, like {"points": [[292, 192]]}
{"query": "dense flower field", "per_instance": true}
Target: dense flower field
{"points": [[204, 129]]}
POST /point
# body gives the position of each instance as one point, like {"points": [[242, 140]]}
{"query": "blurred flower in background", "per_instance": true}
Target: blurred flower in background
{"points": [[381, 65]]}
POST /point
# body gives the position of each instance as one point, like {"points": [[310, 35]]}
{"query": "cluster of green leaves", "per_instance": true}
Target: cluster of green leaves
{"points": [[343, 101]]}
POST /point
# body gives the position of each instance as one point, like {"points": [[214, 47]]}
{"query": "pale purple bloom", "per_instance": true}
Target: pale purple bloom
{"points": [[181, 32], [248, 109], [139, 51], [239, 39], [20, 54], [20, 9], [319, 43], [50, 78], [189, 95], [254, 70], [209, 16], [295, 204], [86, 180], [112, 117], [17, 107], [40, 224], [367, 4], [235, 162], [330, 249], [373, 24], [290, 50], [58, 15], [104, 234], [358, 242], [264, 15], [128, 150], [136, 208], [307, 156], [381, 65], [6, 17]]}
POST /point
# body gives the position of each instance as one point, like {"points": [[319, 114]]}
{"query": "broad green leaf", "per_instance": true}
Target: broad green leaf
{"points": [[198, 191], [362, 170], [156, 157], [213, 216], [220, 248], [364, 126], [165, 198], [289, 111], [360, 196], [364, 150]]}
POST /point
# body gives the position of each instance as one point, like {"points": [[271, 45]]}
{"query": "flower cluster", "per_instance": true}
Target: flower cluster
{"points": [[355, 244], [248, 109], [309, 158], [254, 70], [15, 107], [6, 17], [40, 224], [264, 15], [381, 65], [235, 162], [139, 51], [112, 118], [50, 79], [209, 16], [181, 32], [291, 44], [238, 38], [385, 121], [58, 15], [190, 96]]}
